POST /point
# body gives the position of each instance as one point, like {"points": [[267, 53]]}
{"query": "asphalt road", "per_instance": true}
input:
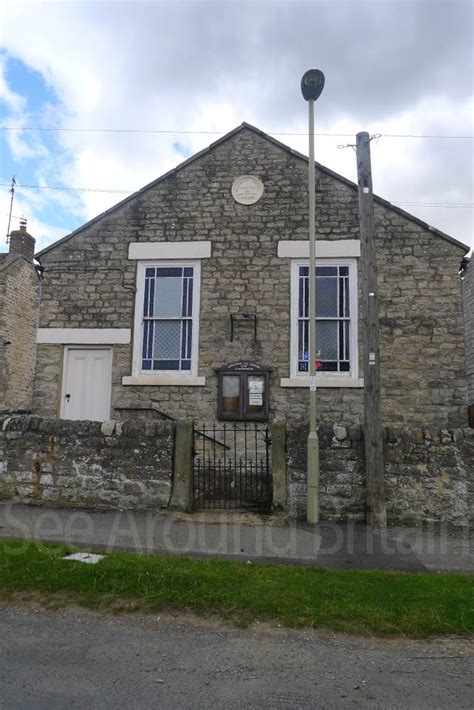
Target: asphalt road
{"points": [[84, 660]]}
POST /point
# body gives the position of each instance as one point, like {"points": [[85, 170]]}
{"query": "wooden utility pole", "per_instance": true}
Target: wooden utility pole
{"points": [[373, 432]]}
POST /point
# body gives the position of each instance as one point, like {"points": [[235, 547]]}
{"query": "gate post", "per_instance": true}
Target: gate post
{"points": [[182, 495], [279, 471]]}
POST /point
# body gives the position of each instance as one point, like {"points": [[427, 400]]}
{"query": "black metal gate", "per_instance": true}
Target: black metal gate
{"points": [[231, 466]]}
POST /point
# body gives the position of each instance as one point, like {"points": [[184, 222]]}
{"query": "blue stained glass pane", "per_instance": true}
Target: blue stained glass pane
{"points": [[145, 339], [166, 271], [151, 306], [146, 364], [341, 340], [326, 271], [303, 367], [188, 271], [146, 298], [149, 272], [184, 338], [184, 307], [329, 366], [304, 270], [185, 364], [151, 327], [344, 270], [300, 340], [166, 364], [190, 338], [190, 297]]}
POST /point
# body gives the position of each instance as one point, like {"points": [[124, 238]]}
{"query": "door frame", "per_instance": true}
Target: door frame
{"points": [[66, 351]]}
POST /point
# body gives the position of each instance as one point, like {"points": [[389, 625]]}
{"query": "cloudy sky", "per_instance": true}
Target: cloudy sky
{"points": [[182, 73]]}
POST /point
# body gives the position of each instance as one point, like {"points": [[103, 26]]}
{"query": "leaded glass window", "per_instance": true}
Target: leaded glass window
{"points": [[333, 318], [167, 318]]}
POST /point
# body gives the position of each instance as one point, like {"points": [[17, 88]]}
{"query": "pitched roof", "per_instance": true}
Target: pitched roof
{"points": [[291, 151]]}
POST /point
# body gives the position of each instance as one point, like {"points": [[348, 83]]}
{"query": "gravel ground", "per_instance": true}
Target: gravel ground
{"points": [[84, 659]]}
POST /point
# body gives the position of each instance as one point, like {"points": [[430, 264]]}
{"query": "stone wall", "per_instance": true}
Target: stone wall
{"points": [[429, 475], [129, 465], [19, 310], [89, 283], [468, 311], [86, 464]]}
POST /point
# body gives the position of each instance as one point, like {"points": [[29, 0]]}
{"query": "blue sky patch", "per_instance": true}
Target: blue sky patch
{"points": [[181, 149], [30, 84], [37, 157]]}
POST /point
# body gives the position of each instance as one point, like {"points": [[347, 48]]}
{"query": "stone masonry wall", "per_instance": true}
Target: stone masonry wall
{"points": [[468, 312], [129, 465], [89, 283], [429, 475], [85, 464], [19, 310]]}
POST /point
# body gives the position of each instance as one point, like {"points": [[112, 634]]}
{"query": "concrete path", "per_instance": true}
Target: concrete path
{"points": [[332, 545], [51, 661]]}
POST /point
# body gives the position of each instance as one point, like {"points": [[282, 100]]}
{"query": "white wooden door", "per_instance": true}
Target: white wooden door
{"points": [[86, 384]]}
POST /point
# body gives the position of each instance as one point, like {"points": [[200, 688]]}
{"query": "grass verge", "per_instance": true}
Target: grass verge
{"points": [[358, 602]]}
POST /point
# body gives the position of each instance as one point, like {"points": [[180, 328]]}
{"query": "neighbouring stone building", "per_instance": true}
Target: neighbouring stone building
{"points": [[468, 312], [19, 310], [189, 300]]}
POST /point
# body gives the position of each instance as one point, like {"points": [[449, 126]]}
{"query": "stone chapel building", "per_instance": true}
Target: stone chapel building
{"points": [[206, 269]]}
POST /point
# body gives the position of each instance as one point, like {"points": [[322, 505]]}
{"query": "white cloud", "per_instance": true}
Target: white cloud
{"points": [[209, 66]]}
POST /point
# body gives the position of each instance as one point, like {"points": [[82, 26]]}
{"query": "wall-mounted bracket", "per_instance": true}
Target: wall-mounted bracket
{"points": [[235, 317]]}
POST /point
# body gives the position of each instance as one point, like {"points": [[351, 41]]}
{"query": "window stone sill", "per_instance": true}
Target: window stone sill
{"points": [[354, 382], [164, 380]]}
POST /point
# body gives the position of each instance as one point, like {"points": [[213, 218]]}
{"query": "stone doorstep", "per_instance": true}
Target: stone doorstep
{"points": [[231, 517]]}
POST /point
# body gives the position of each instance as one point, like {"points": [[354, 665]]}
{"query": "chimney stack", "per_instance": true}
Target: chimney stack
{"points": [[21, 242]]}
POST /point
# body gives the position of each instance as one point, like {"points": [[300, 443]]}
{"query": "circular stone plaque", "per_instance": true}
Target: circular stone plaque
{"points": [[247, 189]]}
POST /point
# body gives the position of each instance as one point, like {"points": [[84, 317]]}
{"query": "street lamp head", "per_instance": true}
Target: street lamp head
{"points": [[312, 84]]}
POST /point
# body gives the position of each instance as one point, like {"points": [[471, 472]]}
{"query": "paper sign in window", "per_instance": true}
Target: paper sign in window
{"points": [[255, 385]]}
